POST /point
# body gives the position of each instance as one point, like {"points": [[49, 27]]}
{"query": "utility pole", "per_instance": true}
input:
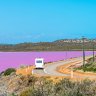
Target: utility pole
{"points": [[83, 52], [93, 52]]}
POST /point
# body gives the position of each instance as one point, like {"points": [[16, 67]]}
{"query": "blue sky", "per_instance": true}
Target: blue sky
{"points": [[46, 20]]}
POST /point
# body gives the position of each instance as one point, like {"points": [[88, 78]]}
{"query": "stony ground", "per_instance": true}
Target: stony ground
{"points": [[3, 89], [11, 84]]}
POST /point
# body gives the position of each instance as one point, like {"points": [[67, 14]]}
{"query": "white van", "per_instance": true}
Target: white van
{"points": [[39, 62]]}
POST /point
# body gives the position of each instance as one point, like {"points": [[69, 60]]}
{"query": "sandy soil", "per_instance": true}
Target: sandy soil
{"points": [[25, 71]]}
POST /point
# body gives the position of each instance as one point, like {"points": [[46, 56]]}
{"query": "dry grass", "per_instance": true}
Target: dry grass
{"points": [[25, 71]]}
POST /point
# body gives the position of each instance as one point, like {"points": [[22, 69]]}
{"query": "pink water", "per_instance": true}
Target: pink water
{"points": [[15, 59]]}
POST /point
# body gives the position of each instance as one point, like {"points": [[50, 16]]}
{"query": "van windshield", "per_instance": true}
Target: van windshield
{"points": [[39, 61]]}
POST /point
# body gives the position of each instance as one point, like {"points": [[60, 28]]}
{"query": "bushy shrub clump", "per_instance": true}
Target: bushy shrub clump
{"points": [[86, 68], [44, 86], [9, 71], [65, 87], [89, 66]]}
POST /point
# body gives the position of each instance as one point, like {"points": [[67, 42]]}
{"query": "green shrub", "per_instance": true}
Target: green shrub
{"points": [[84, 68], [89, 66], [13, 94], [65, 87], [27, 92], [9, 71], [94, 69], [56, 78]]}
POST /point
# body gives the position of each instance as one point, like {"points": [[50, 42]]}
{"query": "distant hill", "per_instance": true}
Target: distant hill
{"points": [[58, 45]]}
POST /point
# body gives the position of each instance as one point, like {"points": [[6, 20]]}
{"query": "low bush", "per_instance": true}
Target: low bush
{"points": [[13, 94], [27, 92], [89, 66], [65, 87], [9, 71], [88, 69], [23, 66]]}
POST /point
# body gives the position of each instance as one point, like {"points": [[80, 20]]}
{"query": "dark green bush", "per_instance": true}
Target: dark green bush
{"points": [[94, 69], [9, 71]]}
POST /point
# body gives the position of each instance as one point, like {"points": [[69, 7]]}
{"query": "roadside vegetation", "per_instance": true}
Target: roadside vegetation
{"points": [[8, 71], [44, 86], [90, 66], [30, 85]]}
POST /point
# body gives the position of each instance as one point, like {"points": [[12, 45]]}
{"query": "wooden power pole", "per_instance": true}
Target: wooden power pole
{"points": [[83, 52], [93, 52]]}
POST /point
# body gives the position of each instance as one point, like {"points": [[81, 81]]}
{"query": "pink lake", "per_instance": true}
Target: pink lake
{"points": [[15, 59]]}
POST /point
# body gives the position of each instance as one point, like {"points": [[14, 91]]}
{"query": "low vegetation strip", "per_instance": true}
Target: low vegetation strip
{"points": [[29, 85], [90, 66], [65, 87]]}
